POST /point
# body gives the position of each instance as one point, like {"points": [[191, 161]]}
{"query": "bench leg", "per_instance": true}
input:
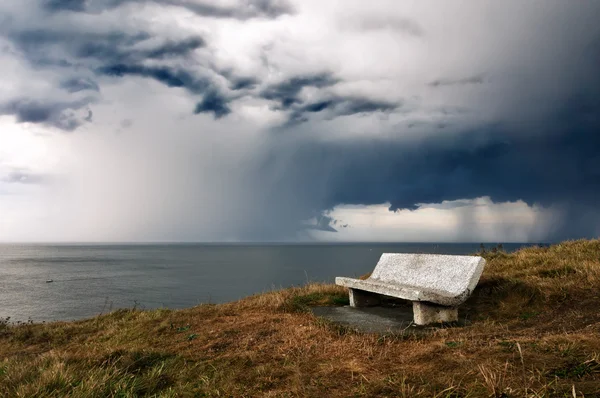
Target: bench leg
{"points": [[360, 298], [426, 313]]}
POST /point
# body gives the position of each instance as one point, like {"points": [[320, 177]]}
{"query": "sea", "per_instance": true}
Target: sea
{"points": [[55, 282]]}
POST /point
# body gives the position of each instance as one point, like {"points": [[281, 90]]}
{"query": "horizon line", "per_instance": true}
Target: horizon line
{"points": [[225, 243]]}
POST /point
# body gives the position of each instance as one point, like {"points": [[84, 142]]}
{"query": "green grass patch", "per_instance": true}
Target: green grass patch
{"points": [[303, 302], [578, 370], [528, 315]]}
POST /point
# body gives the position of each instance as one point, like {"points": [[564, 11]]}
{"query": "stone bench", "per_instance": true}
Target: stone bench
{"points": [[436, 284]]}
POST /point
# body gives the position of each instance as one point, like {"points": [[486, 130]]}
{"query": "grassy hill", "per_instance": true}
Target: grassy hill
{"points": [[534, 331]]}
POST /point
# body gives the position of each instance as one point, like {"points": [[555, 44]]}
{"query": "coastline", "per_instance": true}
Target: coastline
{"points": [[534, 327]]}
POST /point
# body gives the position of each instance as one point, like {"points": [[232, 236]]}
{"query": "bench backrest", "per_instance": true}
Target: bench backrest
{"points": [[448, 275]]}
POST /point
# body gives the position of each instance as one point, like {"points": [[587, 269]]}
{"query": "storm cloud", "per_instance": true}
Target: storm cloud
{"points": [[286, 93], [245, 124], [215, 103], [340, 106], [63, 115], [243, 10], [74, 85], [84, 56]]}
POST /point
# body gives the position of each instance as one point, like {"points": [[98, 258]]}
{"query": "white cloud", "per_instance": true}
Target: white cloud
{"points": [[467, 220]]}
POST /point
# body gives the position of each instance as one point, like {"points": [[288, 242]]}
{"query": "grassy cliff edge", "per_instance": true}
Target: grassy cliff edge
{"points": [[534, 331]]}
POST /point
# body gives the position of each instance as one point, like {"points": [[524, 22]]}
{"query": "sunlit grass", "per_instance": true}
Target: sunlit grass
{"points": [[534, 332]]}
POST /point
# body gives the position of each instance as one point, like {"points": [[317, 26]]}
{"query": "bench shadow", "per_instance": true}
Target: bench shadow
{"points": [[495, 298], [499, 298], [392, 317]]}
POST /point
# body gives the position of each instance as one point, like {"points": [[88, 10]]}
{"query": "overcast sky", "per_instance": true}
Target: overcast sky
{"points": [[299, 120]]}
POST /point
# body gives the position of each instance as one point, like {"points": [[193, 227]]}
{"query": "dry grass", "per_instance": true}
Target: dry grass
{"points": [[534, 332]]}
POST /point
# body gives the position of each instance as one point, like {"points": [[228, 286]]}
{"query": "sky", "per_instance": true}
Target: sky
{"points": [[299, 120]]}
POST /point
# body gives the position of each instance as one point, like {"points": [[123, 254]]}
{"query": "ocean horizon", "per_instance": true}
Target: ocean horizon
{"points": [[92, 278]]}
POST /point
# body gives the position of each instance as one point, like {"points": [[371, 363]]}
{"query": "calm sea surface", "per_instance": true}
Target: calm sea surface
{"points": [[89, 279]]}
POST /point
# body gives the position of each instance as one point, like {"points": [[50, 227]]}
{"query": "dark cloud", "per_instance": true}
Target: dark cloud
{"points": [[215, 103], [244, 10], [75, 85], [175, 48], [51, 44], [505, 162], [241, 83], [121, 54], [340, 106], [64, 5], [286, 93], [62, 115], [116, 54], [318, 106], [352, 106], [457, 82], [119, 47], [168, 76]]}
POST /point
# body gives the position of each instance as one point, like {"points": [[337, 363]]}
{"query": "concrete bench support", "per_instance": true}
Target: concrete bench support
{"points": [[436, 284], [426, 313], [361, 298]]}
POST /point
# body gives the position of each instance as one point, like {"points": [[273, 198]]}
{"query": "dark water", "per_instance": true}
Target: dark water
{"points": [[96, 278]]}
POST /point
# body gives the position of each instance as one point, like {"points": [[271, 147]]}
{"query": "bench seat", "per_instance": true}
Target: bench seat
{"points": [[394, 290], [436, 284]]}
